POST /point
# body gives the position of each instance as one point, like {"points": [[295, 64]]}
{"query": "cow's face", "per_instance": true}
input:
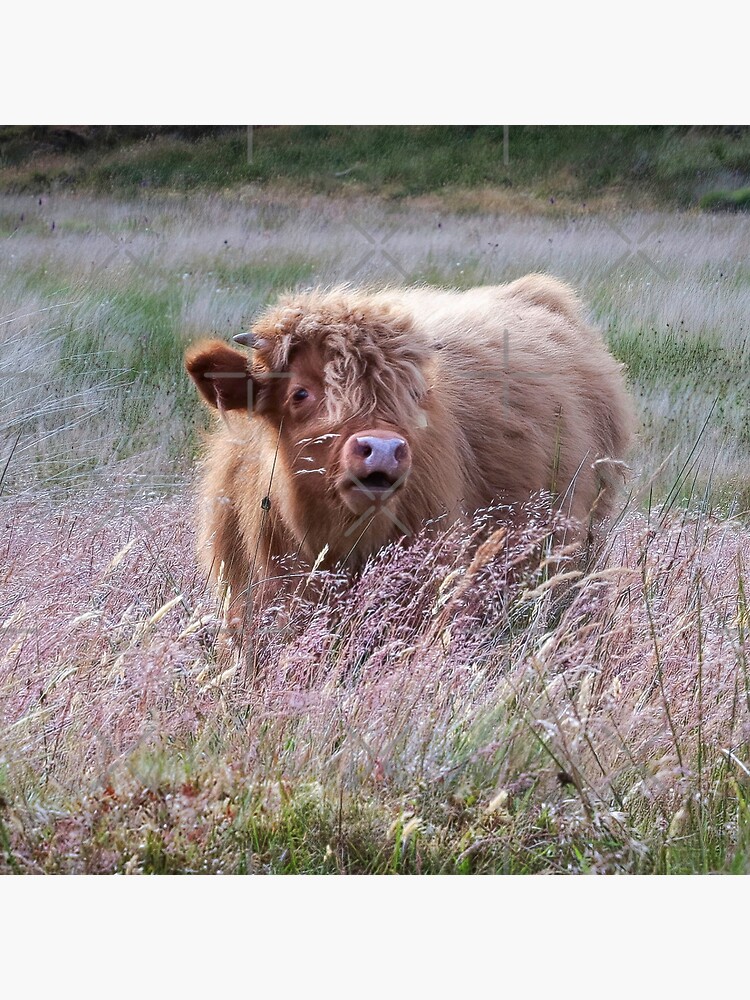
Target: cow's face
{"points": [[334, 449]]}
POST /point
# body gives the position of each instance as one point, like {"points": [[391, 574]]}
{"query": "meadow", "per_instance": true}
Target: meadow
{"points": [[442, 714]]}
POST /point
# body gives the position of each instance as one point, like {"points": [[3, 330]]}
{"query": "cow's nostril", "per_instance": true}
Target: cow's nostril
{"points": [[377, 451]]}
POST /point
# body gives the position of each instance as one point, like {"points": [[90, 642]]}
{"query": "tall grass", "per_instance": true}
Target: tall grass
{"points": [[454, 710]]}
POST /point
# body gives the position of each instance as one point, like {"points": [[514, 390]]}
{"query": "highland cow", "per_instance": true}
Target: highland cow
{"points": [[361, 415]]}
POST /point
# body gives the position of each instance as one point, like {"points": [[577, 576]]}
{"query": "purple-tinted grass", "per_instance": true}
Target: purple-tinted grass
{"points": [[445, 665]]}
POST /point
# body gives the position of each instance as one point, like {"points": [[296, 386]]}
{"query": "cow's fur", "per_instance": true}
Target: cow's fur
{"points": [[500, 392]]}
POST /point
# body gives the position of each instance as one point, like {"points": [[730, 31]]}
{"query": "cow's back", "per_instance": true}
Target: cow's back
{"points": [[537, 394]]}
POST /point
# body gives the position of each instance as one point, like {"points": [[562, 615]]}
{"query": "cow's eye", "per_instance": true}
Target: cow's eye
{"points": [[300, 395]]}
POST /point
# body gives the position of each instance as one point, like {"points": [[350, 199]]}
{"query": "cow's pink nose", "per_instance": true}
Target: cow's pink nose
{"points": [[377, 458], [380, 454]]}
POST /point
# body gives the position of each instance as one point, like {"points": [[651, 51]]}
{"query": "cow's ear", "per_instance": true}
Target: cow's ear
{"points": [[221, 374]]}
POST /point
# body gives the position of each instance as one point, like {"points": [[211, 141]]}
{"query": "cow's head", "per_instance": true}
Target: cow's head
{"points": [[344, 389]]}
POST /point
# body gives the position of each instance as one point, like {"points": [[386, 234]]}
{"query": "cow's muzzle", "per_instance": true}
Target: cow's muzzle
{"points": [[375, 465]]}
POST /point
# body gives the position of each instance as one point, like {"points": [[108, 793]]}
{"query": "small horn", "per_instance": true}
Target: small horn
{"points": [[250, 340]]}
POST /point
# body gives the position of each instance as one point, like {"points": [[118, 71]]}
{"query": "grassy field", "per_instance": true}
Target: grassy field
{"points": [[473, 168], [557, 724]]}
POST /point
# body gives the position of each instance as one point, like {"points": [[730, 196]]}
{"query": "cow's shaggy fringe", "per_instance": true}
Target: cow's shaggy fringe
{"points": [[500, 708]]}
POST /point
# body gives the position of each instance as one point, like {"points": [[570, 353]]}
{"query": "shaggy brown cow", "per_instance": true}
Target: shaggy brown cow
{"points": [[360, 415]]}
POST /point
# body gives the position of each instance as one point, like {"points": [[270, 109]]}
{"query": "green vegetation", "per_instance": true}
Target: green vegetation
{"points": [[539, 165], [727, 201], [192, 824]]}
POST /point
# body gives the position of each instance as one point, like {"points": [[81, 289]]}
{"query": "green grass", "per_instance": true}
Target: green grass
{"points": [[670, 165], [178, 827], [114, 368], [264, 277], [727, 201], [674, 355]]}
